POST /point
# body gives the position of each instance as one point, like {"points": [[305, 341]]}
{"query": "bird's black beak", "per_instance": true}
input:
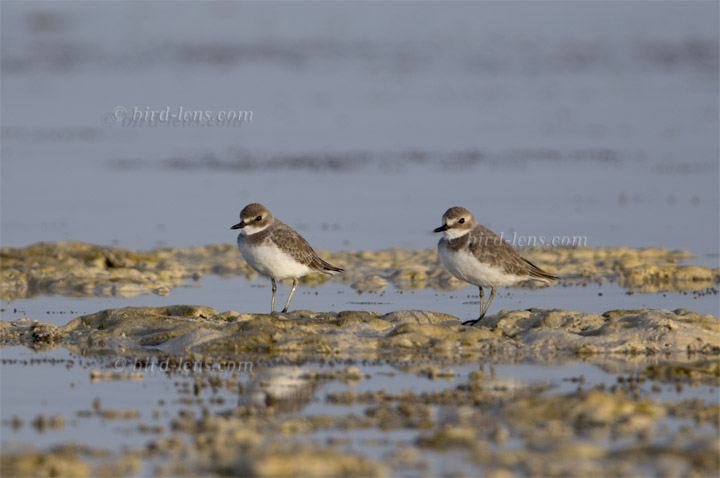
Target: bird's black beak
{"points": [[239, 225], [442, 228]]}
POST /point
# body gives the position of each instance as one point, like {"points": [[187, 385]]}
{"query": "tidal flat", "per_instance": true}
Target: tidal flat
{"points": [[148, 350], [186, 390]]}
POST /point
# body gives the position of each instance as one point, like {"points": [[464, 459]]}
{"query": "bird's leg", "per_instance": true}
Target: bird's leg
{"points": [[482, 298], [492, 296], [292, 291], [274, 289], [482, 313], [484, 310]]}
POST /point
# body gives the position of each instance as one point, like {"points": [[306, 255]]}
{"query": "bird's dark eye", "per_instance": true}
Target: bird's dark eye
{"points": [[462, 220], [259, 218]]}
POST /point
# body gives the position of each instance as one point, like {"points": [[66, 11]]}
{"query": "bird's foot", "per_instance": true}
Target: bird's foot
{"points": [[472, 322]]}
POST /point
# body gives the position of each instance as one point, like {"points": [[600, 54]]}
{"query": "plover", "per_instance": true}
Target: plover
{"points": [[276, 250], [475, 254]]}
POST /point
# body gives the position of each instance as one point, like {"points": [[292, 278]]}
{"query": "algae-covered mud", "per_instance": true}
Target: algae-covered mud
{"points": [[82, 270], [301, 335]]}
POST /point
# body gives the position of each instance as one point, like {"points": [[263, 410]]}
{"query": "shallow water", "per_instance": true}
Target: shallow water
{"points": [[243, 295]]}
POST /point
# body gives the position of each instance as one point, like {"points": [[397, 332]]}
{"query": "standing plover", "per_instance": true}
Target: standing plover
{"points": [[276, 250], [475, 254]]}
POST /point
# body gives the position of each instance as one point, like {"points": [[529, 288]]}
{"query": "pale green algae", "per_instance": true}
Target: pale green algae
{"points": [[201, 330], [78, 269]]}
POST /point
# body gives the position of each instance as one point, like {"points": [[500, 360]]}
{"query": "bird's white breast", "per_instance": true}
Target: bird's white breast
{"points": [[465, 266], [271, 261]]}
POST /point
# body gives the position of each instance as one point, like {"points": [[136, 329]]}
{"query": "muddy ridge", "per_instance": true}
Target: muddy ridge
{"points": [[184, 329]]}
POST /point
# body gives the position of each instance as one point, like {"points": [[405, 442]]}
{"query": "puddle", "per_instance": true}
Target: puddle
{"points": [[238, 293]]}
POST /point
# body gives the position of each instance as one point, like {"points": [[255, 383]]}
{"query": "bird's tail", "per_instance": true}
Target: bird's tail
{"points": [[539, 274], [330, 269]]}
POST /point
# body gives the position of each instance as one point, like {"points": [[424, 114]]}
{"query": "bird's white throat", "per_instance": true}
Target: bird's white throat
{"points": [[251, 229], [454, 233]]}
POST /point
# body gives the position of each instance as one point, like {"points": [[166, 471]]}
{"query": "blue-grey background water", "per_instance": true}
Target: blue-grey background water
{"points": [[596, 120], [368, 121]]}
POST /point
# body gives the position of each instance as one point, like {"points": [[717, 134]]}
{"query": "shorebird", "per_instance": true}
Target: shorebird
{"points": [[475, 254], [276, 250]]}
